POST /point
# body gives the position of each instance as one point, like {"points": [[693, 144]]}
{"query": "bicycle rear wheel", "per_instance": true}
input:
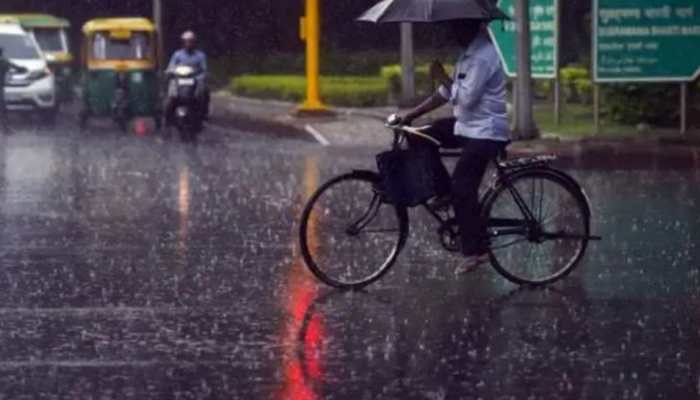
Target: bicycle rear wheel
{"points": [[350, 235], [546, 249]]}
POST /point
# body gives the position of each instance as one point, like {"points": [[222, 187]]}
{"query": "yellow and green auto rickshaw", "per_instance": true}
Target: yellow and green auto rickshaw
{"points": [[51, 34], [121, 72]]}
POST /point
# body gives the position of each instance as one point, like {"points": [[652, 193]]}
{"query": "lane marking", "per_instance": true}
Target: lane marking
{"points": [[317, 135]]}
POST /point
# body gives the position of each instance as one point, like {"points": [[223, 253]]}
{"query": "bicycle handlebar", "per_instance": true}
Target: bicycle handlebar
{"points": [[415, 131], [396, 125]]}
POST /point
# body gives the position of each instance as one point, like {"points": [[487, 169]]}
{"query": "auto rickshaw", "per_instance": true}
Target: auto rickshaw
{"points": [[121, 72], [51, 34]]}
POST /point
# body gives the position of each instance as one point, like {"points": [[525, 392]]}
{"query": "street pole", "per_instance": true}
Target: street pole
{"points": [[557, 101], [158, 21], [557, 75], [596, 108], [515, 101], [684, 108], [408, 65], [524, 121], [311, 33]]}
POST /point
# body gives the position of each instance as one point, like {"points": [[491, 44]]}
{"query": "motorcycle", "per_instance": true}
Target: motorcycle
{"points": [[188, 115]]}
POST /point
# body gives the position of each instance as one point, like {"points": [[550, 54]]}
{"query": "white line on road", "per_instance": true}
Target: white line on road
{"points": [[317, 135]]}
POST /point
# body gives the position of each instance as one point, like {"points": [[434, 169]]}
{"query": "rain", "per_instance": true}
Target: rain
{"points": [[142, 263]]}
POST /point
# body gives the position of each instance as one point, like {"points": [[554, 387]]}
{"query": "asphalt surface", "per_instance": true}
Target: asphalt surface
{"points": [[136, 268]]}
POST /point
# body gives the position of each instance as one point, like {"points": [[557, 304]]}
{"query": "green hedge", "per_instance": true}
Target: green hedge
{"points": [[632, 103], [577, 84], [352, 91], [626, 103]]}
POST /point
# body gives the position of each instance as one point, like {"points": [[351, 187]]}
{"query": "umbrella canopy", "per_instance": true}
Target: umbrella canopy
{"points": [[432, 11]]}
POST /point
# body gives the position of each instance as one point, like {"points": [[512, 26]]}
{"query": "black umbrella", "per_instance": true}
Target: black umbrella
{"points": [[432, 11]]}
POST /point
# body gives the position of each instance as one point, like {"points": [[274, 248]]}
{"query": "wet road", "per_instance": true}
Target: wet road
{"points": [[133, 269]]}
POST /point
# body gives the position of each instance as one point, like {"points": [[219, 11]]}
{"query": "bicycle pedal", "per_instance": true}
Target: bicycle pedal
{"points": [[441, 204]]}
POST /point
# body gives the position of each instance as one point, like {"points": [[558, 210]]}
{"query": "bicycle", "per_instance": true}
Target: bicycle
{"points": [[538, 222]]}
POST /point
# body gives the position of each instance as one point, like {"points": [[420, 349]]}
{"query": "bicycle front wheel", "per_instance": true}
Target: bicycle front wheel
{"points": [[350, 234], [547, 244]]}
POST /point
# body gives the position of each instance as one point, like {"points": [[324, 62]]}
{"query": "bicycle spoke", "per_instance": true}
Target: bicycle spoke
{"points": [[356, 236], [506, 245], [561, 230]]}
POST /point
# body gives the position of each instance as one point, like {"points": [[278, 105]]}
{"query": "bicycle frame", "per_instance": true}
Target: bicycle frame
{"points": [[507, 226], [528, 227], [500, 223]]}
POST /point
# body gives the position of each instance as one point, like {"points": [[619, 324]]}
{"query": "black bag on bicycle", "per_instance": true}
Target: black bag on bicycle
{"points": [[408, 175]]}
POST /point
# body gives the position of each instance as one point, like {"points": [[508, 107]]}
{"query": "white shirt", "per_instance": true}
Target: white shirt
{"points": [[478, 94]]}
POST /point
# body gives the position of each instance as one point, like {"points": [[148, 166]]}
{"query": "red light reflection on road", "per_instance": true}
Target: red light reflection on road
{"points": [[302, 359]]}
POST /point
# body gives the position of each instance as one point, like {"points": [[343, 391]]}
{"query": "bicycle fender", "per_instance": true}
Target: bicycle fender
{"points": [[367, 174], [487, 197]]}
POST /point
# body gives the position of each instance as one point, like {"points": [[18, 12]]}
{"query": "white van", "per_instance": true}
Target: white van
{"points": [[31, 90]]}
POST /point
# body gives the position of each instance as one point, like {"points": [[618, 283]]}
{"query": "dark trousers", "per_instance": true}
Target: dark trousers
{"points": [[465, 181]]}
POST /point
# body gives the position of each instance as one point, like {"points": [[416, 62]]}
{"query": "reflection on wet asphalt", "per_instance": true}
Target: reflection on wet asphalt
{"points": [[132, 269]]}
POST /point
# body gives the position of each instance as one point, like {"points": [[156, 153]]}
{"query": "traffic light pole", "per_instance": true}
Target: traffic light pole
{"points": [[311, 33]]}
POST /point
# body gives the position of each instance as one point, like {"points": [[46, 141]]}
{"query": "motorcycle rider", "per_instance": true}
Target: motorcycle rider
{"points": [[190, 56], [5, 67]]}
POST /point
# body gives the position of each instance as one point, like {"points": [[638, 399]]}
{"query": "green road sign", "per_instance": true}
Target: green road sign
{"points": [[543, 26], [646, 40]]}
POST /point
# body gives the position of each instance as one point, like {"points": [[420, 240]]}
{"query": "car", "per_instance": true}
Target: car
{"points": [[51, 34], [35, 89]]}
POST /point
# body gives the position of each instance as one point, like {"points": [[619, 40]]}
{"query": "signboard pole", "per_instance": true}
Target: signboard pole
{"points": [[684, 108], [596, 108], [514, 93], [408, 65], [557, 101], [557, 77], [525, 123]]}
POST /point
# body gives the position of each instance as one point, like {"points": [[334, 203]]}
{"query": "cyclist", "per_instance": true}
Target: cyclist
{"points": [[477, 92], [191, 56], [5, 67]]}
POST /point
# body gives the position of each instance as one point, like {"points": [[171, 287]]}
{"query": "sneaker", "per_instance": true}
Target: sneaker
{"points": [[472, 263]]}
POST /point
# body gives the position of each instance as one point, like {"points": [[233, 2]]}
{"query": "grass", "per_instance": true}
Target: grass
{"points": [[577, 122]]}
